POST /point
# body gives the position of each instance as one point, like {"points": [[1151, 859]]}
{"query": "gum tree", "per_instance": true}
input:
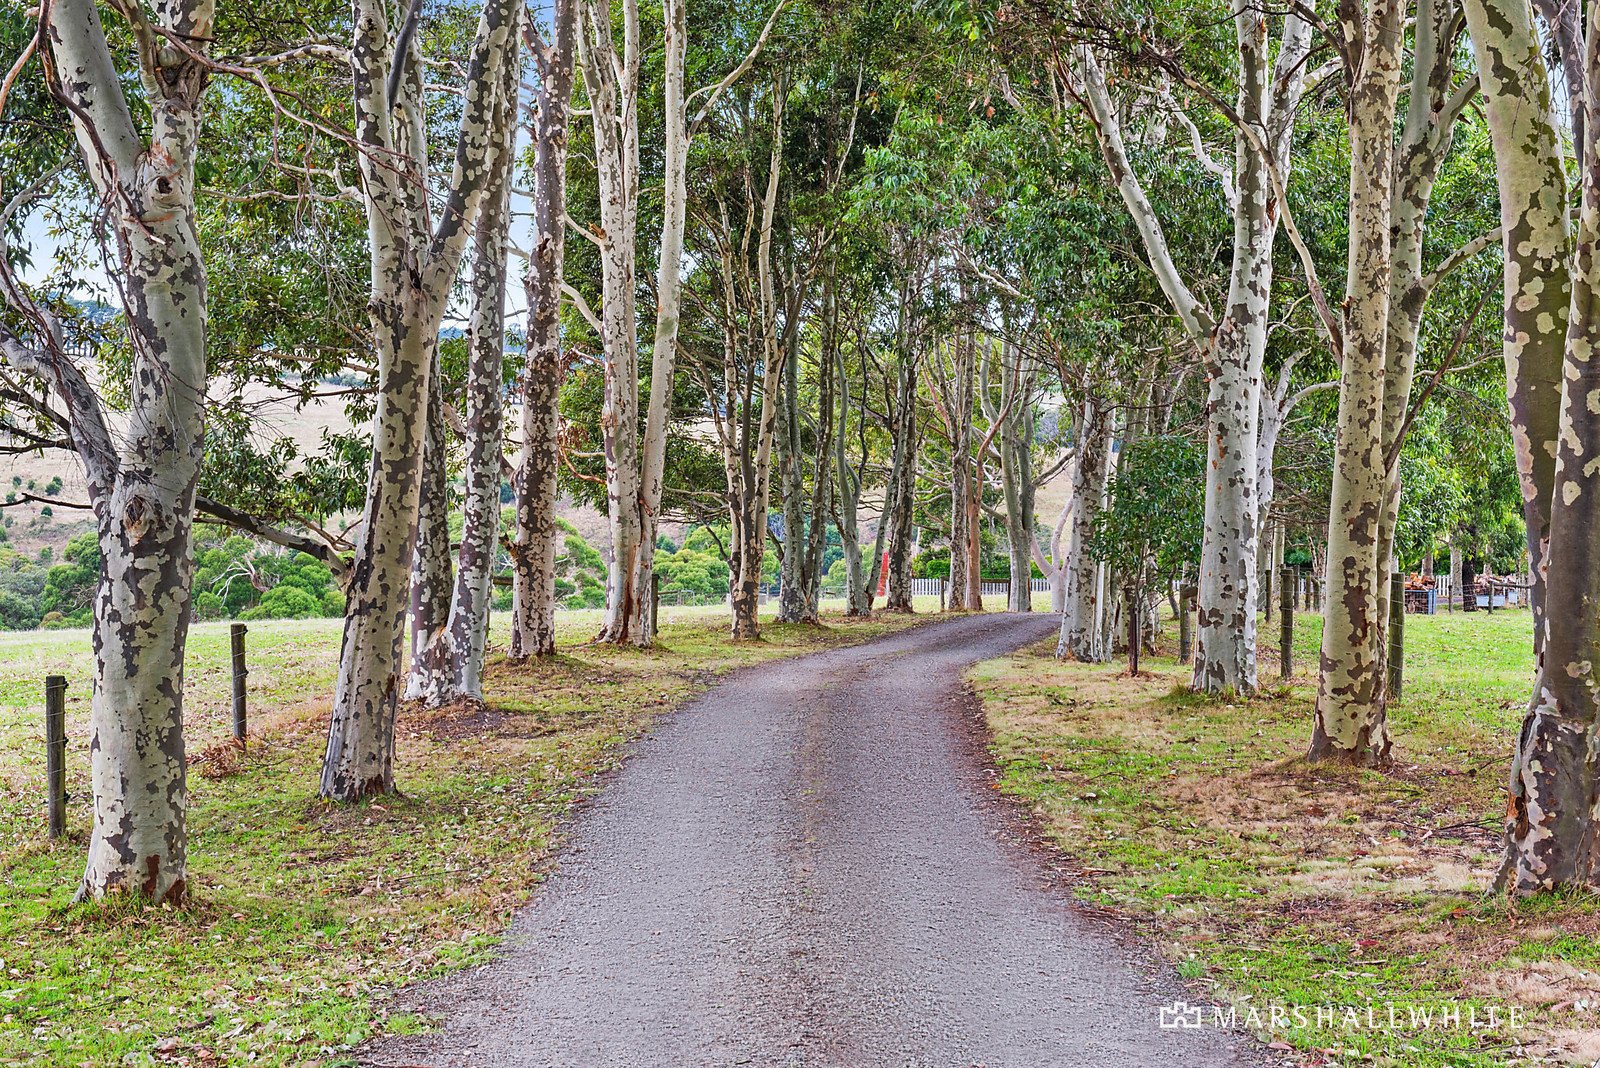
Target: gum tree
{"points": [[414, 259], [1231, 343], [137, 132]]}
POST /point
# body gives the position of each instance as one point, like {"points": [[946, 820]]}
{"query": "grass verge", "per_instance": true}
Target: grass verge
{"points": [[304, 914], [1273, 882]]}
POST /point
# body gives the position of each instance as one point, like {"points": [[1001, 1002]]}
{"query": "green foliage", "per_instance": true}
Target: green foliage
{"points": [[1157, 508]]}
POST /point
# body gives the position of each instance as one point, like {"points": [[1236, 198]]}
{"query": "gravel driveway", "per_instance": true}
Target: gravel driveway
{"points": [[805, 867]]}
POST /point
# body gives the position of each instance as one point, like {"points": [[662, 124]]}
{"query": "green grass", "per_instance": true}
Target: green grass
{"points": [[1268, 880], [304, 915]]}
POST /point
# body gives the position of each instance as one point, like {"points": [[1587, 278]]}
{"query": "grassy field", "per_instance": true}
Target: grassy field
{"points": [[304, 914], [1273, 882]]}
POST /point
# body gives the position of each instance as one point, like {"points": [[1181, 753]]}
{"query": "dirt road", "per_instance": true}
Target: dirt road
{"points": [[803, 869]]}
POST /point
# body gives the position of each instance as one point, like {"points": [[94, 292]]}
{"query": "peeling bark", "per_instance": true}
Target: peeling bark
{"points": [[413, 263], [533, 548], [1350, 724], [143, 494]]}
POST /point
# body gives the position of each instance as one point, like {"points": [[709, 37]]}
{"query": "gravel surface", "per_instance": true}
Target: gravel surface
{"points": [[806, 867]]}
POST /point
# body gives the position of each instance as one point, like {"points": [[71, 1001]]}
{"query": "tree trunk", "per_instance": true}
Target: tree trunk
{"points": [[533, 548], [1350, 724], [1081, 618], [858, 592], [747, 450], [480, 533], [142, 494], [903, 480], [1550, 829], [1515, 87], [432, 570], [412, 270]]}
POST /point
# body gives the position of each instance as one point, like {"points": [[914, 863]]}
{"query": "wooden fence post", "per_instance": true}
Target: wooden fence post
{"points": [[236, 634], [1185, 622], [1397, 634], [1286, 620], [55, 751], [1135, 637]]}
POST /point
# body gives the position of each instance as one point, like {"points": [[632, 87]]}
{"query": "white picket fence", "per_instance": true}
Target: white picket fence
{"points": [[934, 587]]}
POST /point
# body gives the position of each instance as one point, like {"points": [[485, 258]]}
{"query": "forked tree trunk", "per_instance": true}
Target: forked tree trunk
{"points": [[143, 497], [412, 271], [1350, 724], [1426, 135], [1234, 344], [533, 547]]}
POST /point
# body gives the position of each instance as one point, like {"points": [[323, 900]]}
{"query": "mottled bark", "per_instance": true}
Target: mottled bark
{"points": [[432, 569], [143, 493], [1426, 134], [468, 624], [1082, 610], [1350, 724], [413, 265], [534, 545], [1535, 233], [1550, 825]]}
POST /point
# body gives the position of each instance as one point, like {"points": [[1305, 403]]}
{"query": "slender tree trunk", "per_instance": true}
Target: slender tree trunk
{"points": [[1350, 724], [534, 544], [816, 546], [1016, 477], [858, 594], [903, 480], [432, 570], [1081, 619], [747, 450], [960, 482], [474, 587], [791, 477]]}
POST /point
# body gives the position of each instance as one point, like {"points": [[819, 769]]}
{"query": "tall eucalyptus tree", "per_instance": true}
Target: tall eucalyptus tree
{"points": [[415, 257], [1232, 344], [137, 133]]}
